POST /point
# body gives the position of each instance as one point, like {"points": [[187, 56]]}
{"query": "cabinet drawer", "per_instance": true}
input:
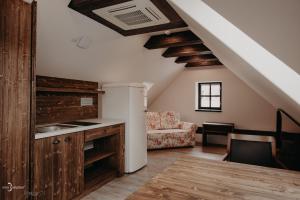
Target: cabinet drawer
{"points": [[92, 134], [100, 132], [113, 130]]}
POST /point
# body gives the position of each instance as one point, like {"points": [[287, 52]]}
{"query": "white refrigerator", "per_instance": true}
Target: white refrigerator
{"points": [[126, 102]]}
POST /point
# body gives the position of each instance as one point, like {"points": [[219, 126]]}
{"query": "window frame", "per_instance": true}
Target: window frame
{"points": [[198, 96]]}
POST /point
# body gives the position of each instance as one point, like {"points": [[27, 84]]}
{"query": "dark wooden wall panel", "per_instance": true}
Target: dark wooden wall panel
{"points": [[59, 107], [15, 76], [33, 93], [2, 28], [53, 82], [1, 104]]}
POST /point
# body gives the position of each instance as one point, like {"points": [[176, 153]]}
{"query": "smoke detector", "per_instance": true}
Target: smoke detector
{"points": [[133, 14]]}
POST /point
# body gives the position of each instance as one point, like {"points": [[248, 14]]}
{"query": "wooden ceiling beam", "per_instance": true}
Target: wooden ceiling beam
{"points": [[199, 58], [173, 40], [203, 63], [190, 50]]}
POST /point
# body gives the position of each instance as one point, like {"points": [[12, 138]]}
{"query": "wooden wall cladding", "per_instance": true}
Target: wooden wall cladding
{"points": [[58, 100], [53, 82], [16, 62]]}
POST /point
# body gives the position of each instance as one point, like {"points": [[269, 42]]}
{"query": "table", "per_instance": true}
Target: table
{"points": [[215, 128], [191, 178]]}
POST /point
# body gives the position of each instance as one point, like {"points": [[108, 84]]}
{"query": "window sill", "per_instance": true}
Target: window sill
{"points": [[207, 110]]}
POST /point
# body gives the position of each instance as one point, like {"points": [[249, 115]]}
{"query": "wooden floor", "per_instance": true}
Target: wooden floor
{"points": [[191, 178], [158, 160]]}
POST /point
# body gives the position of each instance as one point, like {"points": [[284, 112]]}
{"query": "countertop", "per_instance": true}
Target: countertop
{"points": [[104, 123]]}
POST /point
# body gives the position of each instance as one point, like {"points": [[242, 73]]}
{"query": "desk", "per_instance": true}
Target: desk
{"points": [[191, 178], [215, 128]]}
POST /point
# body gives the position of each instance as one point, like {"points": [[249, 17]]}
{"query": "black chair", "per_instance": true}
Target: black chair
{"points": [[252, 149]]}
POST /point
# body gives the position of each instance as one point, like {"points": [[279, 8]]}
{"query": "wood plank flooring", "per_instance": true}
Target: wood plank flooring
{"points": [[158, 160], [191, 178]]}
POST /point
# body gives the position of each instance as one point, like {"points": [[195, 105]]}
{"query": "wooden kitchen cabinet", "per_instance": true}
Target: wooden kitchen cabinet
{"points": [[59, 162], [105, 160], [63, 170]]}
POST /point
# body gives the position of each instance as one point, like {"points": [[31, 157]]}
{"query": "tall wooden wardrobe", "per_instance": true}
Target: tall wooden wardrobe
{"points": [[17, 64]]}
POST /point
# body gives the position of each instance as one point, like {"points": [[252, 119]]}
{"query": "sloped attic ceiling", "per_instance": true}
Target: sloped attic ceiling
{"points": [[258, 66], [275, 24], [111, 57]]}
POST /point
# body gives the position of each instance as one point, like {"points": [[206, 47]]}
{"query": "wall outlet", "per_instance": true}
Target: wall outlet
{"points": [[86, 102]]}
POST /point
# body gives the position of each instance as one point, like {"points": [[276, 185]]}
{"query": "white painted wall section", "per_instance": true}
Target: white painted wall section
{"points": [[262, 71]]}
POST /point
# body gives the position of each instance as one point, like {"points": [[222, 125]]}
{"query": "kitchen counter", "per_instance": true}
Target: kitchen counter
{"points": [[93, 154], [103, 123]]}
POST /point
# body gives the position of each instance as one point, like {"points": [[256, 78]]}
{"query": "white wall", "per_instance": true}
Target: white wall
{"points": [[273, 79], [110, 58], [240, 104], [113, 58], [274, 24]]}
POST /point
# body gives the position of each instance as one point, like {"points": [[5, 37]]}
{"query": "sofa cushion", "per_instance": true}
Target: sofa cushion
{"points": [[169, 120], [153, 121], [158, 139]]}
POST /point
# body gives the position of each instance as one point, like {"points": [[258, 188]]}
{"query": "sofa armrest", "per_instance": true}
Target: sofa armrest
{"points": [[191, 128], [188, 126]]}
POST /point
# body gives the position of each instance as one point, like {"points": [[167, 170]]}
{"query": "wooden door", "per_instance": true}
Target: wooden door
{"points": [[16, 63], [58, 167]]}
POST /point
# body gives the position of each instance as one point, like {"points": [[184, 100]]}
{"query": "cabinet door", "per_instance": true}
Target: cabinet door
{"points": [[58, 167], [48, 168], [73, 165], [58, 148]]}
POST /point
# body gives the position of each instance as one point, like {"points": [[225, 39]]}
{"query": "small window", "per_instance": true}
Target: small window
{"points": [[208, 96]]}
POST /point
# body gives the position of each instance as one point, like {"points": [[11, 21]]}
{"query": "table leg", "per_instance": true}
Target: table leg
{"points": [[204, 138]]}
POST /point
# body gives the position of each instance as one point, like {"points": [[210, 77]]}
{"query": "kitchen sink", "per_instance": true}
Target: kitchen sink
{"points": [[56, 127], [79, 123]]}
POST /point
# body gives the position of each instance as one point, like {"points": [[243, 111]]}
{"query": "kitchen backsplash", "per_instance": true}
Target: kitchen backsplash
{"points": [[60, 100]]}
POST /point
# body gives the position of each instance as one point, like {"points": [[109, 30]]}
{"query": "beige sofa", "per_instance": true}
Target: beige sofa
{"points": [[165, 130]]}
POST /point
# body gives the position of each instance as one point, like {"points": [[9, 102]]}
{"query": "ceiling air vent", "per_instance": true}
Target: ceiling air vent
{"points": [[133, 14]]}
